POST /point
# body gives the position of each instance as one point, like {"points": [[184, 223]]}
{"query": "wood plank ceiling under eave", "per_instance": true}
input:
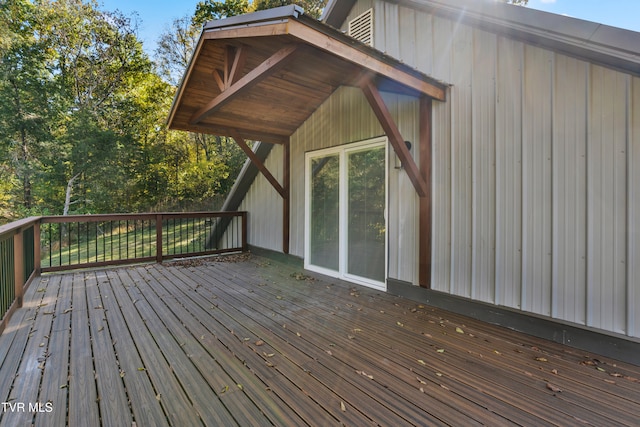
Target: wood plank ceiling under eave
{"points": [[263, 79]]}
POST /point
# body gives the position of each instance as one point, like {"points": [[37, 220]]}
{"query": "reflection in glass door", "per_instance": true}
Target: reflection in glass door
{"points": [[366, 213], [325, 198], [346, 212]]}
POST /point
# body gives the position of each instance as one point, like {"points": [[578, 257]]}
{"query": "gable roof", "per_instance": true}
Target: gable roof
{"points": [[262, 74], [602, 44]]}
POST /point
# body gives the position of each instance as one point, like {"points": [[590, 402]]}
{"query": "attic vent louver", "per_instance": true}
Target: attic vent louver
{"points": [[361, 27]]}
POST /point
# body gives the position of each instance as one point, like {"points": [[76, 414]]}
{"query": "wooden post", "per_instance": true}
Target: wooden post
{"points": [[424, 263], [159, 238], [286, 200], [37, 265], [245, 245], [18, 265]]}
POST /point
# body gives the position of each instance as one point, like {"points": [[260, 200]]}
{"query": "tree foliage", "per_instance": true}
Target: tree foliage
{"points": [[83, 108]]}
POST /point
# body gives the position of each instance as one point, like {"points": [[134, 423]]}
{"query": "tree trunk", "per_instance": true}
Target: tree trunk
{"points": [[67, 198]]}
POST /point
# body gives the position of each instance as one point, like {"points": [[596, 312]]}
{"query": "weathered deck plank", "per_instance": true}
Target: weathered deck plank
{"points": [[247, 344]]}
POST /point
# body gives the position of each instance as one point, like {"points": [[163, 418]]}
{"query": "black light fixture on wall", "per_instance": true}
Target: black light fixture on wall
{"points": [[398, 163]]}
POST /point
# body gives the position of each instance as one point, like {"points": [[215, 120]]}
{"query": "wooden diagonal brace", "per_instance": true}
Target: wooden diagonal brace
{"points": [[261, 167], [255, 76], [391, 130]]}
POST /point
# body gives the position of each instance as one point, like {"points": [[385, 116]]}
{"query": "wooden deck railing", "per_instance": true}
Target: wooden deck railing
{"points": [[55, 243]]}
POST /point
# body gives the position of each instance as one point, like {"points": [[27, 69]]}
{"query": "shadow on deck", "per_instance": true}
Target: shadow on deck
{"points": [[253, 342]]}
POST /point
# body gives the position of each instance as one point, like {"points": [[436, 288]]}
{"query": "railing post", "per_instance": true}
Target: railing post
{"points": [[159, 238], [36, 248], [18, 266], [244, 232]]}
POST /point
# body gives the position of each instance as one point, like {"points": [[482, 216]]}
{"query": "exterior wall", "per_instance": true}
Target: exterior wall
{"points": [[264, 206], [536, 171], [345, 117]]}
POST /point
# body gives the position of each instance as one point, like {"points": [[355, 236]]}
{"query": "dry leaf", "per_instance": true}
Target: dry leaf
{"points": [[399, 323], [240, 386], [421, 390], [420, 361], [440, 350], [554, 371], [298, 334], [439, 374], [224, 389], [141, 369], [122, 374], [541, 359], [268, 354], [420, 381], [554, 388], [259, 342], [600, 369], [497, 352], [460, 331], [158, 396], [342, 407]]}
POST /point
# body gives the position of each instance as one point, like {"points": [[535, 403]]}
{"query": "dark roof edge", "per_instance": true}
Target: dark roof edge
{"points": [[609, 46], [251, 18]]}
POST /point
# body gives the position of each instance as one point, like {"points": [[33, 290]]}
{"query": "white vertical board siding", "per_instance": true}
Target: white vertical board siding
{"points": [[536, 172], [264, 206], [633, 231], [483, 162], [461, 165], [536, 180], [509, 96], [607, 199], [570, 189]]}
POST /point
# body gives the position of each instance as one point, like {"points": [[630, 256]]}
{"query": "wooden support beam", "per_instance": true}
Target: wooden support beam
{"points": [[261, 167], [391, 130], [286, 201], [425, 232], [255, 76]]}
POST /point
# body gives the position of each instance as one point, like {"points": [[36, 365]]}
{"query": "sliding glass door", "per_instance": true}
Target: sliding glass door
{"points": [[346, 212]]}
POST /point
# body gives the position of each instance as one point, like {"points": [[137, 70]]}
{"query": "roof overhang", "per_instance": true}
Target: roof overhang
{"points": [[611, 47], [261, 75]]}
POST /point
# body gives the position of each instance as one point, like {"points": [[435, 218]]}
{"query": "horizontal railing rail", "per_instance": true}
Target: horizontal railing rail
{"points": [[55, 243]]}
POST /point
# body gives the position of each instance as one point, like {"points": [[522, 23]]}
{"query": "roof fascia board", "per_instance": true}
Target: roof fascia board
{"points": [[336, 11], [274, 14]]}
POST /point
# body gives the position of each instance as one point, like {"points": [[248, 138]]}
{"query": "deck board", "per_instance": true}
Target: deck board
{"points": [[258, 343]]}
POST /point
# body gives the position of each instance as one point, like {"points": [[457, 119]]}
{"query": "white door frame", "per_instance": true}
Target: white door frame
{"points": [[342, 151]]}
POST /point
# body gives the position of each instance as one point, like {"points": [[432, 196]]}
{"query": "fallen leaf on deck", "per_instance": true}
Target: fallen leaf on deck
{"points": [[541, 359], [420, 381], [399, 324], [64, 386], [600, 369], [224, 389], [422, 362], [497, 352], [342, 407], [421, 390], [240, 386], [615, 374], [67, 311], [554, 371], [298, 334], [459, 330], [259, 342], [554, 388], [141, 369], [364, 374], [268, 354], [440, 350], [329, 352], [158, 396], [122, 374]]}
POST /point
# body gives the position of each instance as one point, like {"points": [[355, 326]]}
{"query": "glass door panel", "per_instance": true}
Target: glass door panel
{"points": [[366, 203], [325, 214]]}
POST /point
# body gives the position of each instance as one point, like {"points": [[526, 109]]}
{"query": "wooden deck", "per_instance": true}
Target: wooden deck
{"points": [[253, 342]]}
